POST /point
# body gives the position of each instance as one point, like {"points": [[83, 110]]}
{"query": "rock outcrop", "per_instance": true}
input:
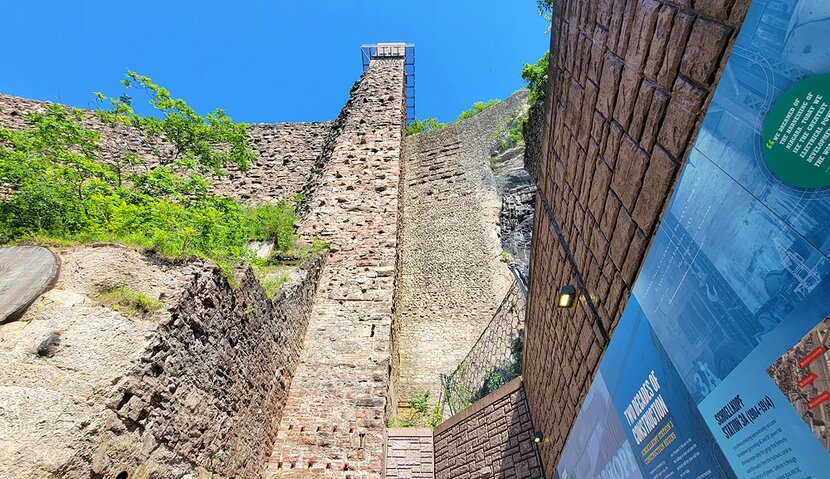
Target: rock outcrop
{"points": [[196, 387]]}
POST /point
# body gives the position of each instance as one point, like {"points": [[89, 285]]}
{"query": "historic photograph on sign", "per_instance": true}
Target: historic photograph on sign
{"points": [[803, 375]]}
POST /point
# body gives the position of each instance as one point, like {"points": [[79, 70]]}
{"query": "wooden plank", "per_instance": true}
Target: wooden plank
{"points": [[26, 272]]}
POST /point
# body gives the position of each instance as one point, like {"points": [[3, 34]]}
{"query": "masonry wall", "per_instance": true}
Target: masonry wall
{"points": [[286, 152], [451, 276], [496, 433], [208, 391], [408, 454], [629, 82], [335, 416]]}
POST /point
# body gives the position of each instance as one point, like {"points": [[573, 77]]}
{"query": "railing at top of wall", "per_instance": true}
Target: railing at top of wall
{"points": [[494, 360]]}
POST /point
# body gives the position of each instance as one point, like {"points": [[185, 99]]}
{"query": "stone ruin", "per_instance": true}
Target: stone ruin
{"points": [[222, 381]]}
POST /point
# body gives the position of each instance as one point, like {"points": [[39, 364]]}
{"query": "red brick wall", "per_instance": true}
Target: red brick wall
{"points": [[334, 418], [495, 432], [629, 82], [408, 454]]}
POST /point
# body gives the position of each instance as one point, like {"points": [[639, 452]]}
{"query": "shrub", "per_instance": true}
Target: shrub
{"points": [[423, 413], [129, 300], [477, 108], [420, 126], [58, 187], [536, 77]]}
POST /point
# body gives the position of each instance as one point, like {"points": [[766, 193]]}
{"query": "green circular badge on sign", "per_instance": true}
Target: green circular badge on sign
{"points": [[797, 134]]}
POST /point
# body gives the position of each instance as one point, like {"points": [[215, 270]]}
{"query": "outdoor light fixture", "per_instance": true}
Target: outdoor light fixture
{"points": [[538, 436], [567, 295]]}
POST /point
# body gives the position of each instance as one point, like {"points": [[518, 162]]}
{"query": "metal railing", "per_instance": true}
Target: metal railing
{"points": [[494, 360]]}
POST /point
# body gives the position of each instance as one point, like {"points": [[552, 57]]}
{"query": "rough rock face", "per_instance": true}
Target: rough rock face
{"points": [[60, 359], [334, 419], [195, 388], [286, 151], [532, 132]]}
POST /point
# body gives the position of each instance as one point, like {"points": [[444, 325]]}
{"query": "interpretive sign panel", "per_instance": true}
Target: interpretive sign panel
{"points": [[719, 366]]}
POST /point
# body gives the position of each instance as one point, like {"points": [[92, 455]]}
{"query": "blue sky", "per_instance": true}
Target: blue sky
{"points": [[266, 61]]}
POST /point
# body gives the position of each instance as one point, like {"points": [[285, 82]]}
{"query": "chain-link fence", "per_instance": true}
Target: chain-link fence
{"points": [[495, 359]]}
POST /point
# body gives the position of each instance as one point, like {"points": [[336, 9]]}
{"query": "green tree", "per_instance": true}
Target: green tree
{"points": [[536, 77], [194, 137], [420, 126], [54, 183], [545, 9]]}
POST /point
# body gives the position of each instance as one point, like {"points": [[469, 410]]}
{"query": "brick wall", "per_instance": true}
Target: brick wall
{"points": [[496, 433], [335, 417], [408, 454], [286, 152], [629, 82]]}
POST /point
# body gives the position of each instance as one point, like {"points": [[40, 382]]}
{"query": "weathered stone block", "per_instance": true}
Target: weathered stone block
{"points": [[599, 189], [659, 41], [628, 173], [621, 239], [674, 49], [659, 101], [612, 146], [628, 87], [703, 50], [641, 33], [659, 177], [641, 107], [633, 259], [718, 9], [609, 84], [609, 215], [681, 114]]}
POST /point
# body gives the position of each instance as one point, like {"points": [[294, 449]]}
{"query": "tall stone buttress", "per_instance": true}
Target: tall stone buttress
{"points": [[334, 419]]}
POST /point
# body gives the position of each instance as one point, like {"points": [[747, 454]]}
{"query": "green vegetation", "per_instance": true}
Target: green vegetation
{"points": [[545, 9], [54, 185], [427, 124], [130, 301], [536, 76], [423, 414], [460, 397], [494, 165], [272, 278], [477, 108], [420, 126], [500, 376], [509, 133], [504, 257]]}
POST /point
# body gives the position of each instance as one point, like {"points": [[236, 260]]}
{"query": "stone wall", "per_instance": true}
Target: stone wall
{"points": [[286, 152], [213, 382], [495, 434], [629, 82], [451, 274], [408, 454], [334, 420], [195, 388]]}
